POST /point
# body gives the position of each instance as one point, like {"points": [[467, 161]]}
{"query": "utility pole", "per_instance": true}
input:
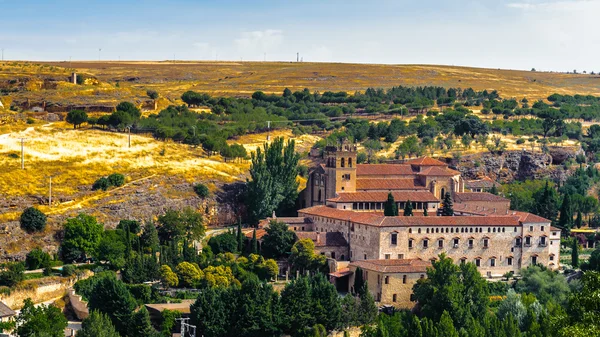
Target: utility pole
{"points": [[297, 57], [185, 327], [22, 153]]}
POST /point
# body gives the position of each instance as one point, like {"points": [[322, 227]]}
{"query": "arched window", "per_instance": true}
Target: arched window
{"points": [[443, 193], [343, 162], [349, 162]]}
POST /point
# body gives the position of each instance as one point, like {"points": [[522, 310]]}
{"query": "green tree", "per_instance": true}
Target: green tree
{"points": [[545, 284], [97, 324], [130, 109], [303, 256], [153, 94], [33, 220], [273, 185], [546, 201], [175, 225], [189, 274], [169, 321], [37, 259], [140, 325], [12, 274], [254, 314], [76, 117], [240, 237], [254, 243], [168, 277], [367, 310], [116, 179], [390, 207], [81, 237], [494, 189], [325, 302], [111, 297], [223, 243], [408, 209], [575, 253], [578, 220], [149, 238], [120, 120], [446, 327], [101, 184], [40, 321], [210, 313], [278, 241], [447, 206], [565, 219], [296, 305], [112, 248], [201, 190], [359, 282]]}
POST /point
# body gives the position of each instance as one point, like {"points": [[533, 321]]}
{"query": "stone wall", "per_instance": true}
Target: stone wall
{"points": [[78, 305]]}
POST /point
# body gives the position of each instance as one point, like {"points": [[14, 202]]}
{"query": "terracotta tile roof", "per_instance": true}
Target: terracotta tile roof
{"points": [[379, 220], [420, 196], [485, 182], [478, 196], [388, 184], [552, 228], [530, 218], [5, 311], [341, 273], [393, 265], [438, 172], [426, 161], [259, 233], [383, 169], [326, 239]]}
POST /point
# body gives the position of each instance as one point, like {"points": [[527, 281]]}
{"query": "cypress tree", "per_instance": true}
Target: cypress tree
{"points": [[240, 237], [447, 206], [408, 209], [254, 243], [359, 282], [390, 207], [565, 219], [446, 326], [578, 220], [575, 253], [494, 189]]}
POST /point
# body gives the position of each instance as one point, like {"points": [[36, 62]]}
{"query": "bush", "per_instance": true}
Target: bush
{"points": [[68, 270], [33, 220], [101, 184], [37, 259], [201, 190], [520, 141], [12, 274], [116, 179]]}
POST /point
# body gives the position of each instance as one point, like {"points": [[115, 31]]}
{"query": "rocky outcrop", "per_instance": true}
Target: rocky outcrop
{"points": [[515, 165]]}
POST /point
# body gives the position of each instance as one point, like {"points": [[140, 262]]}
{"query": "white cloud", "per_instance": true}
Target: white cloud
{"points": [[259, 41]]}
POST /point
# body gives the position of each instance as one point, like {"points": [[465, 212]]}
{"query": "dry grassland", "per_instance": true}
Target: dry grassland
{"points": [[171, 79]]}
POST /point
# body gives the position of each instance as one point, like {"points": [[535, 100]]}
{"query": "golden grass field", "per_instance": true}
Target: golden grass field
{"points": [[171, 79]]}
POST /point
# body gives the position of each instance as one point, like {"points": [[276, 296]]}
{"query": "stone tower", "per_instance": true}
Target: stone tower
{"points": [[340, 166]]}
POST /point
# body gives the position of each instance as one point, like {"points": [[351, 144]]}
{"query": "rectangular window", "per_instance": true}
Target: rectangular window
{"points": [[455, 243], [365, 256], [470, 243], [509, 261], [387, 256], [534, 260], [551, 257], [485, 243], [543, 241], [403, 278], [492, 262], [477, 262], [400, 256], [527, 241], [542, 228], [440, 243], [387, 280], [531, 228], [410, 243], [518, 242], [394, 239], [425, 243], [394, 298]]}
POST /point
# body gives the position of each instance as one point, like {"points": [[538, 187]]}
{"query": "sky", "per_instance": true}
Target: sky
{"points": [[552, 35]]}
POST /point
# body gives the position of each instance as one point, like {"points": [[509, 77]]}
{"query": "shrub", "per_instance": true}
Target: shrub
{"points": [[30, 121], [116, 179], [201, 190], [68, 270], [33, 220], [520, 141], [101, 184], [12, 274], [37, 259]]}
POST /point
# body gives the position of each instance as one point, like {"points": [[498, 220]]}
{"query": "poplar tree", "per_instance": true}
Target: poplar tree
{"points": [[578, 220], [254, 243]]}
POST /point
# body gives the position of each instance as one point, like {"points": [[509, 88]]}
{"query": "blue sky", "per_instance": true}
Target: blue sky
{"points": [[521, 34]]}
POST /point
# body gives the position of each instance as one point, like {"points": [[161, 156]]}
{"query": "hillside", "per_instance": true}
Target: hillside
{"points": [[171, 79]]}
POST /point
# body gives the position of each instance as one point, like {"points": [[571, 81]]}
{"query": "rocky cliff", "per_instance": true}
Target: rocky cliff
{"points": [[518, 165]]}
